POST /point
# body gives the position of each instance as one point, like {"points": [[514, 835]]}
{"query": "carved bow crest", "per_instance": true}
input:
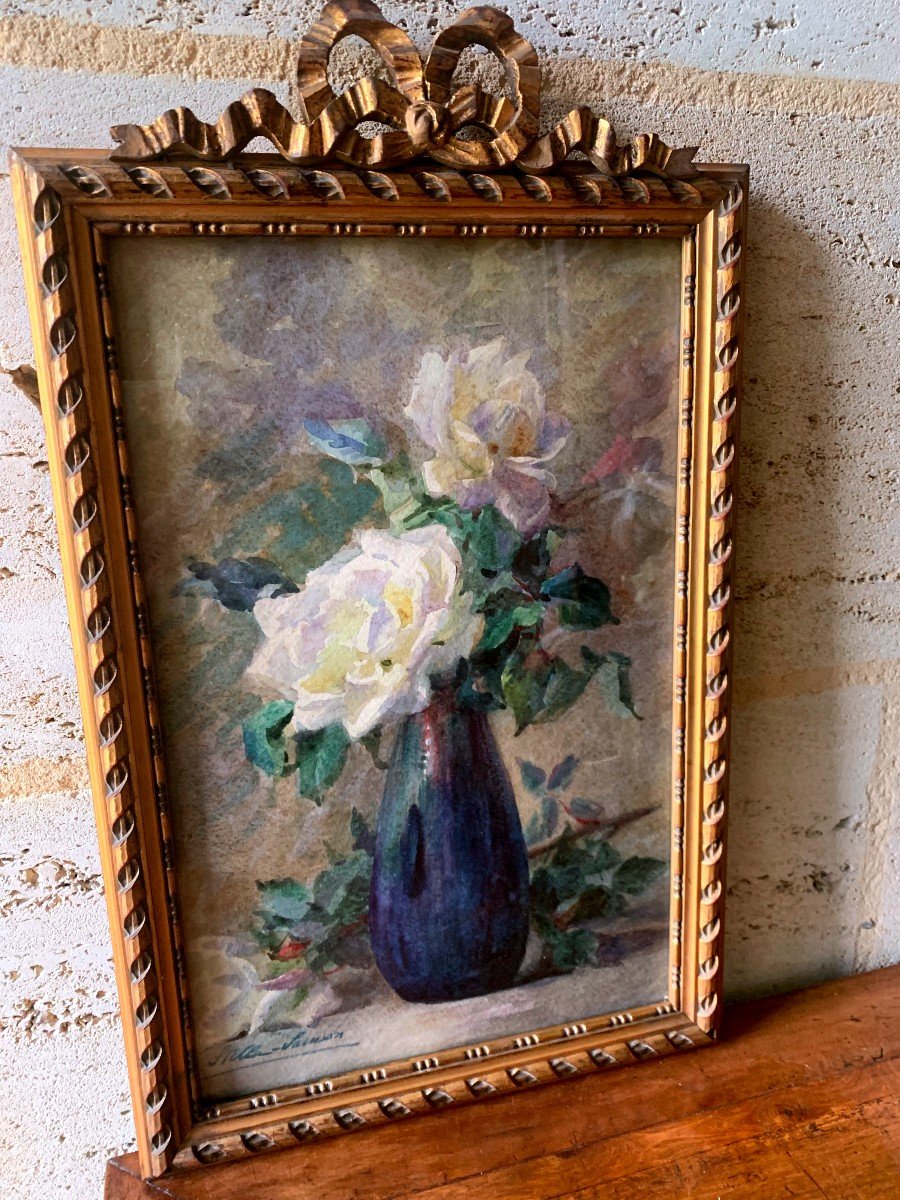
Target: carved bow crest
{"points": [[428, 116]]}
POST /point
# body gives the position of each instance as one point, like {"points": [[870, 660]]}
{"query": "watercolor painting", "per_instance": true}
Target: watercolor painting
{"points": [[407, 516]]}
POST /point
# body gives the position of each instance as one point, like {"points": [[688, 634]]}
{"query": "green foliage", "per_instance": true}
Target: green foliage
{"points": [[264, 742], [320, 759], [341, 891], [500, 624], [509, 577], [582, 602], [285, 902], [362, 834], [612, 670], [567, 949], [562, 774], [492, 542], [321, 929], [547, 789], [582, 880], [544, 821], [540, 688], [533, 776], [578, 881], [533, 558], [635, 875], [372, 742]]}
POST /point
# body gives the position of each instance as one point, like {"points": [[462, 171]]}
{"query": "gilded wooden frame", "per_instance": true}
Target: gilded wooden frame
{"points": [[69, 204]]}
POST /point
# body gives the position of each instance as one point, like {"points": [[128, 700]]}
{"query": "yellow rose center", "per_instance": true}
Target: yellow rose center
{"points": [[401, 601]]}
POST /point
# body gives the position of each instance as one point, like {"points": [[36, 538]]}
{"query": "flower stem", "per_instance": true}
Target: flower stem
{"points": [[608, 825]]}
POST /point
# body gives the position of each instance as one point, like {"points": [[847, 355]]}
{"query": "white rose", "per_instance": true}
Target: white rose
{"points": [[360, 640], [484, 416], [224, 986], [231, 999]]}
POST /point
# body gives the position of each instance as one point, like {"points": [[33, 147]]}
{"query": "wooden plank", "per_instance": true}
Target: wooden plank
{"points": [[760, 1129], [802, 1100]]}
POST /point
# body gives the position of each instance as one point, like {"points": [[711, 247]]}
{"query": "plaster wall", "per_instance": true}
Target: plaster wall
{"points": [[805, 92]]}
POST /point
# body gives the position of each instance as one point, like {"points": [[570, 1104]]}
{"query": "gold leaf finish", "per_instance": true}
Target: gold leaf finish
{"points": [[69, 204], [428, 115]]}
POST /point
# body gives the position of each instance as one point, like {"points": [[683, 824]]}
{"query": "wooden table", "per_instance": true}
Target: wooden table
{"points": [[801, 1100]]}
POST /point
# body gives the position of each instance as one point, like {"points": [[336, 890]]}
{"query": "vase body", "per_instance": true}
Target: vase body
{"points": [[448, 911]]}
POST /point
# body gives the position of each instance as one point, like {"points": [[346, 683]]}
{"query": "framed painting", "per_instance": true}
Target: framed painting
{"points": [[394, 474]]}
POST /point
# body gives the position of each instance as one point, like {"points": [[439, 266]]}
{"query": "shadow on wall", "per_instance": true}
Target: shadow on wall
{"points": [[812, 850], [797, 823], [807, 718]]}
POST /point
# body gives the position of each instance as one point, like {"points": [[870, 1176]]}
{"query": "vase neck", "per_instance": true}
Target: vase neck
{"points": [[443, 701]]}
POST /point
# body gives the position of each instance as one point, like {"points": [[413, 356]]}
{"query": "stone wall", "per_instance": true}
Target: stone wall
{"points": [[802, 91]]}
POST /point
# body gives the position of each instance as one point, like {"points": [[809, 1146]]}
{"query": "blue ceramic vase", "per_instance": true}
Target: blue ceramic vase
{"points": [[448, 911]]}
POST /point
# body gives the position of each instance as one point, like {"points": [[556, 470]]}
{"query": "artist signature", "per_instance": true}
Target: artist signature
{"points": [[301, 1042]]}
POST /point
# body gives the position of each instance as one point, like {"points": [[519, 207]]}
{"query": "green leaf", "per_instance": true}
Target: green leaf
{"points": [[549, 817], [427, 510], [523, 691], [341, 891], [562, 774], [592, 856], [592, 903], [564, 687], [544, 893], [613, 674], [541, 689], [583, 602], [353, 441], [372, 742], [499, 625], [362, 833], [636, 874], [571, 948], [533, 776], [585, 810], [393, 481], [603, 856], [264, 737], [492, 540], [532, 560], [286, 899], [341, 948], [320, 760], [478, 699], [563, 877]]}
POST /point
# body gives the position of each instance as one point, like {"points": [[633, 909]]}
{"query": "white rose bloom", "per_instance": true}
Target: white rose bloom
{"points": [[485, 417], [225, 988], [360, 640]]}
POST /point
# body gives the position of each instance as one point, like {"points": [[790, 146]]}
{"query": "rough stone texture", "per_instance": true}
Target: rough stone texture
{"points": [[800, 90]]}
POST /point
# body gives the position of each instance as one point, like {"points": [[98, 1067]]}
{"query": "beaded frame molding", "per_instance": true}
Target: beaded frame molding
{"points": [[426, 176]]}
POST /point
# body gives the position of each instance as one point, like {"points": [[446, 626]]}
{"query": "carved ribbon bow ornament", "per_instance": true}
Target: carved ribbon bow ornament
{"points": [[464, 127]]}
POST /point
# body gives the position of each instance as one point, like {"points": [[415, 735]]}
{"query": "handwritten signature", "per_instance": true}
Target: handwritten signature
{"points": [[301, 1041]]}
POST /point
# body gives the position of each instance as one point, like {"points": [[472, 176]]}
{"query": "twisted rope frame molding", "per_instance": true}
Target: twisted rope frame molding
{"points": [[69, 203]]}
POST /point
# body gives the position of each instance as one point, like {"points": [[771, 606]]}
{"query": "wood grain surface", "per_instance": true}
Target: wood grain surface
{"points": [[802, 1100]]}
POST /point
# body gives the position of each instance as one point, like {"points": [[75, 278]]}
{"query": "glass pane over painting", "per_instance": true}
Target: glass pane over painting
{"points": [[406, 513]]}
